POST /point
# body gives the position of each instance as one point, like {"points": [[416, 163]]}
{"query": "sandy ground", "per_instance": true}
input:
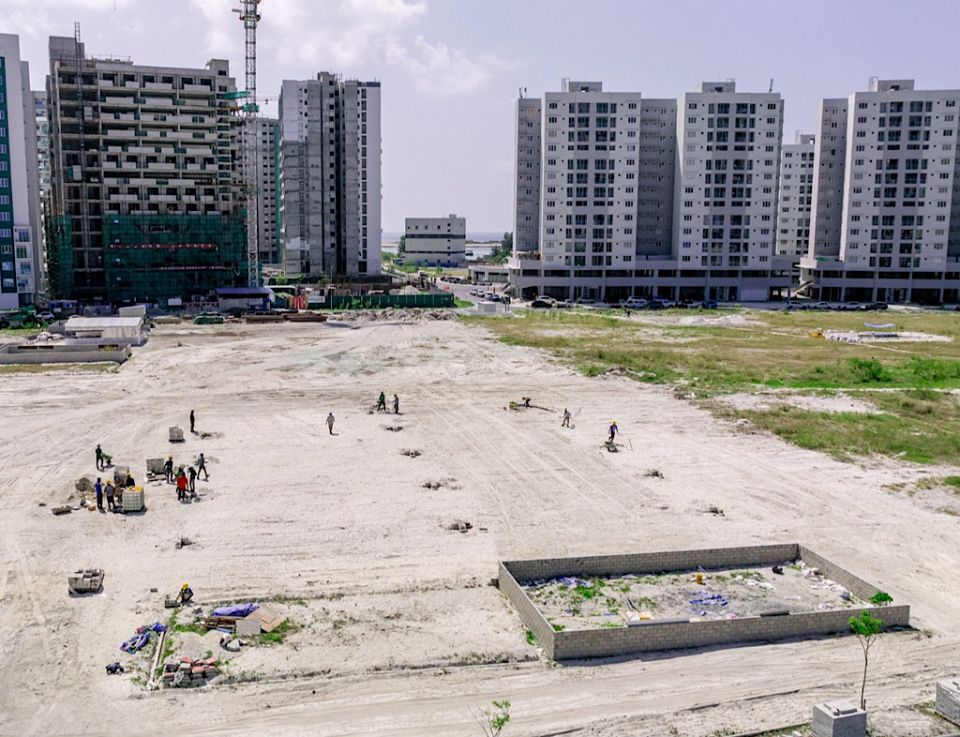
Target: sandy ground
{"points": [[345, 524], [765, 400]]}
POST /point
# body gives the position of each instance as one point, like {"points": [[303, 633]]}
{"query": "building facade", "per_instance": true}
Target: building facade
{"points": [[886, 217], [648, 197], [43, 173], [330, 177], [435, 241], [20, 227], [796, 197], [268, 191], [146, 201]]}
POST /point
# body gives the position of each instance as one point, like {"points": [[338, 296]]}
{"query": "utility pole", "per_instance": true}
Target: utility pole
{"points": [[250, 16]]}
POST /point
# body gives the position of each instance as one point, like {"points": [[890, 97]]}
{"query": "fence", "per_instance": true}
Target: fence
{"points": [[375, 301]]}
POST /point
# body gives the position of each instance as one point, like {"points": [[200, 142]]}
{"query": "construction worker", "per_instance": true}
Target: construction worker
{"points": [[168, 469], [181, 485], [613, 431], [526, 401], [330, 421], [98, 488], [192, 421], [99, 458], [382, 403], [110, 494], [185, 596], [192, 474], [202, 466], [566, 418], [396, 404]]}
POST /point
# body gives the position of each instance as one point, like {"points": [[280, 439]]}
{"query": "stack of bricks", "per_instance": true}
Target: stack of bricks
{"points": [[189, 672], [839, 719], [948, 699]]}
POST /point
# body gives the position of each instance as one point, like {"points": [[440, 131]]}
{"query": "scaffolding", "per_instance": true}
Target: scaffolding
{"points": [[153, 258]]}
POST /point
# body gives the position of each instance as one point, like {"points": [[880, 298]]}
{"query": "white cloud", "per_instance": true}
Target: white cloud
{"points": [[34, 17], [439, 68]]}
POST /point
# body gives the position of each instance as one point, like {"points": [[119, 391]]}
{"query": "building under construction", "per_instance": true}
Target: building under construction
{"points": [[146, 191]]}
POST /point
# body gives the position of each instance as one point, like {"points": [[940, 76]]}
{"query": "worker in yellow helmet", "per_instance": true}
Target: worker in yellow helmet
{"points": [[185, 595]]}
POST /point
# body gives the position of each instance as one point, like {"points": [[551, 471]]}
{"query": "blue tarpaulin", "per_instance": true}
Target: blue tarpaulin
{"points": [[142, 637], [237, 610]]}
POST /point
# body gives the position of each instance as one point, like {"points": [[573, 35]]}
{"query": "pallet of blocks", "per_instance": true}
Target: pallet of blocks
{"points": [[133, 499], [188, 673]]}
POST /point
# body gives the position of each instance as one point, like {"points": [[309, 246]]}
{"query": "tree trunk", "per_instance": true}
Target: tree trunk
{"points": [[863, 686]]}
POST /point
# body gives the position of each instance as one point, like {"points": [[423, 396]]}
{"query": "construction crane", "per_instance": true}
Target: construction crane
{"points": [[250, 16]]}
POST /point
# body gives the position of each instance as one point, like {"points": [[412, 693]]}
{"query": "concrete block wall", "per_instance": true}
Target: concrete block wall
{"points": [[656, 636], [842, 576], [529, 614], [11, 355], [660, 562]]}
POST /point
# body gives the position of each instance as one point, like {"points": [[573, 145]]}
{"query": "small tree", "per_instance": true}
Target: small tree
{"points": [[866, 627], [492, 721]]}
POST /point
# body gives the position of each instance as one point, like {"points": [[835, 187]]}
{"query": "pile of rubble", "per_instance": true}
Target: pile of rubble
{"points": [[187, 672], [392, 314]]}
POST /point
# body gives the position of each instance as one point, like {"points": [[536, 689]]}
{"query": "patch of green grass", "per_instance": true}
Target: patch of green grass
{"points": [[905, 381], [645, 602], [557, 627], [279, 633], [194, 627], [457, 302], [106, 367], [532, 638]]}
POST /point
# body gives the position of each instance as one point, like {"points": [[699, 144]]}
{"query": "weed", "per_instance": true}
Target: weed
{"points": [[645, 602], [532, 638], [279, 633], [558, 627]]}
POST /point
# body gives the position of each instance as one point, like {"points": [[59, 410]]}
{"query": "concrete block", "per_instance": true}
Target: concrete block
{"points": [[248, 627], [839, 719], [176, 434], [948, 699]]}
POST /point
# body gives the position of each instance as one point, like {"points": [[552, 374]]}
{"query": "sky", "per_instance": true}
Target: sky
{"points": [[451, 70]]}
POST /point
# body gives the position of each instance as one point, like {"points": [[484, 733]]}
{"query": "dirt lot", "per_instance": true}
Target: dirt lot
{"points": [[398, 630], [573, 603]]}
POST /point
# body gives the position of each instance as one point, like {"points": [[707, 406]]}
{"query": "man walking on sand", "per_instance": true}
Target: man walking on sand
{"points": [[566, 418], [613, 431], [193, 420], [110, 494], [396, 404], [98, 487], [99, 453], [382, 403], [330, 421], [202, 466]]}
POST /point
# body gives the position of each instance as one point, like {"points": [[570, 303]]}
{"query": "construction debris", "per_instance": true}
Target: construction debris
{"points": [[409, 453], [188, 673], [393, 428], [653, 473], [395, 315], [183, 542], [86, 581], [65, 509], [176, 434], [142, 637], [459, 525]]}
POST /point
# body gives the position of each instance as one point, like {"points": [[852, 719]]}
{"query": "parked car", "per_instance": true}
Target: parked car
{"points": [[634, 303], [877, 306], [494, 297], [47, 316], [541, 303], [663, 302], [851, 306], [821, 306], [565, 304], [586, 301], [709, 304]]}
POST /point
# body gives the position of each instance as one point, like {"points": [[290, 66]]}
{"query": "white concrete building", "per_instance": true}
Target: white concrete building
{"points": [[20, 227], [268, 178], [435, 241], [613, 219], [886, 217], [330, 176], [796, 197], [725, 196]]}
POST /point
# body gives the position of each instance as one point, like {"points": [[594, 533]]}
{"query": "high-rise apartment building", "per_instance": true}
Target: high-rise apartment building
{"points": [[145, 179], [330, 176], [268, 190], [20, 263], [725, 197], [618, 195], [796, 196], [886, 198]]}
